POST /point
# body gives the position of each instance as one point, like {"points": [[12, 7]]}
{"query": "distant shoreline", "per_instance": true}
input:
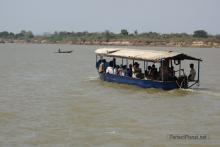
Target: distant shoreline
{"points": [[199, 39], [193, 44]]}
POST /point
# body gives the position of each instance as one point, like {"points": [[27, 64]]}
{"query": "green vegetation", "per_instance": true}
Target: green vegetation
{"points": [[124, 32], [200, 34], [199, 38]]}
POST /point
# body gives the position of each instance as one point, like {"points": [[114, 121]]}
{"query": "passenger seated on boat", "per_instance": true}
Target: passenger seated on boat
{"points": [[164, 73], [171, 74], [106, 64], [125, 70], [98, 63], [101, 67], [137, 71], [110, 68], [121, 70], [192, 74], [115, 70], [134, 70], [102, 61], [148, 73], [154, 73], [129, 71]]}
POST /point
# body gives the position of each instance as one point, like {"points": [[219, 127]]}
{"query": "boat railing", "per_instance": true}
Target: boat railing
{"points": [[194, 83], [144, 79]]}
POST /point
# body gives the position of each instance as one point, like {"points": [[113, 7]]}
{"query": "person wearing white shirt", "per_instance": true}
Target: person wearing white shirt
{"points": [[109, 69]]}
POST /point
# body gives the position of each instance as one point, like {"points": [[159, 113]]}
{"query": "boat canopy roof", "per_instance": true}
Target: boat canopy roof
{"points": [[147, 55]]}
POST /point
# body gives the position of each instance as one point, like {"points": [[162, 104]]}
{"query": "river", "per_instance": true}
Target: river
{"points": [[56, 100]]}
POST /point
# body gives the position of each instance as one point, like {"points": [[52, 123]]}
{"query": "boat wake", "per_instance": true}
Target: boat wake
{"points": [[111, 132], [203, 91], [92, 78]]}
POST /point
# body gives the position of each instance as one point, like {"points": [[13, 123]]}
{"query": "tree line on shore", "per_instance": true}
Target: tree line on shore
{"points": [[107, 36]]}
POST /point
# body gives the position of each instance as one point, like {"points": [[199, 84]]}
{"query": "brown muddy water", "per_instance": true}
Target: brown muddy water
{"points": [[57, 100]]}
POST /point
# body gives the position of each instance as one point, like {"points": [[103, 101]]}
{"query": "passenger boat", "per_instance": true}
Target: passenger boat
{"points": [[166, 60]]}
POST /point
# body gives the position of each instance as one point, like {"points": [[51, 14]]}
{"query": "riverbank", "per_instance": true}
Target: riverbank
{"points": [[157, 43], [199, 38]]}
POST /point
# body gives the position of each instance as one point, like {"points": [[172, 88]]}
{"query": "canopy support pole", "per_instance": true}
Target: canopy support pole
{"points": [[122, 61], [144, 66], [96, 58], [179, 68], [198, 70], [162, 69]]}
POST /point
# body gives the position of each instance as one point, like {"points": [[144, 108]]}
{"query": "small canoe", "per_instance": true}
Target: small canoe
{"points": [[64, 52]]}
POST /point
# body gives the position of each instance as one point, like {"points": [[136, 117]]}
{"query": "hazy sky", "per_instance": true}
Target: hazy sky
{"points": [[163, 16]]}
